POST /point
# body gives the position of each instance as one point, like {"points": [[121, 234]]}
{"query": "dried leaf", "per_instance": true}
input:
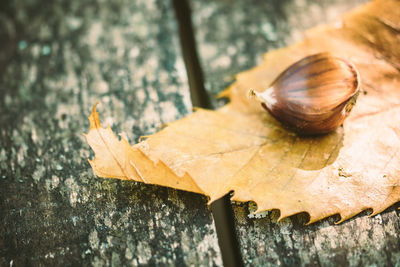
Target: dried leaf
{"points": [[117, 159], [242, 148]]}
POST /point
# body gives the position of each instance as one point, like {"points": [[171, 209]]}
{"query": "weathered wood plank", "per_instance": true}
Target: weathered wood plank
{"points": [[65, 56], [232, 36], [361, 241]]}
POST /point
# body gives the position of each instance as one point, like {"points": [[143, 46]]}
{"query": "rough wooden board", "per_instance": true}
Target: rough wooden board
{"points": [[68, 55], [361, 241], [236, 42]]}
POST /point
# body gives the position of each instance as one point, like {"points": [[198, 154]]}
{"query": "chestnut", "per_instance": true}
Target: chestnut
{"points": [[314, 95]]}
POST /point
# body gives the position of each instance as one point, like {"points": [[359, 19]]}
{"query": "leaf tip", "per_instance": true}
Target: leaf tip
{"points": [[91, 163], [281, 218], [123, 137], [374, 212], [94, 117], [312, 220], [342, 219], [143, 138], [225, 93]]}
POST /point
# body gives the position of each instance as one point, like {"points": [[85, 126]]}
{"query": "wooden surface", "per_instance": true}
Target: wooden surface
{"points": [[57, 59], [60, 58], [233, 36]]}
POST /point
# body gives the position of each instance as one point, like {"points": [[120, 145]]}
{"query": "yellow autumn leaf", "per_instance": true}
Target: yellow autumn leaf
{"points": [[241, 148]]}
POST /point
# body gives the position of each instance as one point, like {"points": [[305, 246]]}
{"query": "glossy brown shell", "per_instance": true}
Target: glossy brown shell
{"points": [[314, 95]]}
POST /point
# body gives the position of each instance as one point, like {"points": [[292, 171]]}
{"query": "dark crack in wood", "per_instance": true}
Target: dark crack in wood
{"points": [[221, 209]]}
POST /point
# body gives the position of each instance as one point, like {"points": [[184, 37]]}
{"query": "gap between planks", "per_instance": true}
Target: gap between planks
{"points": [[221, 209]]}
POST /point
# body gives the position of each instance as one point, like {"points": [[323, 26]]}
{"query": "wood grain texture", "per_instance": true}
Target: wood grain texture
{"points": [[232, 38], [360, 241], [65, 56]]}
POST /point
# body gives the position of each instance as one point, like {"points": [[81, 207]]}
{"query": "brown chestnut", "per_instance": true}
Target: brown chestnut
{"points": [[313, 95]]}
